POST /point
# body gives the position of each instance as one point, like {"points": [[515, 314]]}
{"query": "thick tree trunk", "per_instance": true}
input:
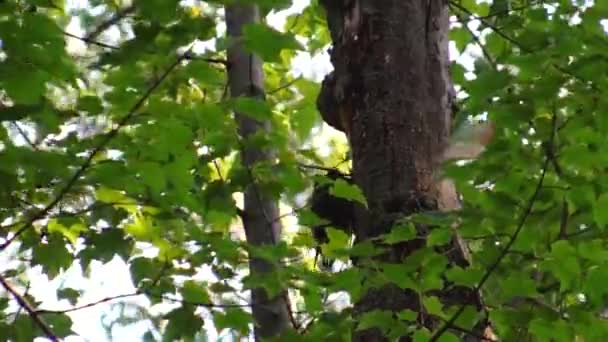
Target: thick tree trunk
{"points": [[262, 227], [390, 92]]}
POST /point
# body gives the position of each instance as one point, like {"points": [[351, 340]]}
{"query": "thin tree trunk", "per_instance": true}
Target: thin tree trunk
{"points": [[390, 92], [260, 221]]}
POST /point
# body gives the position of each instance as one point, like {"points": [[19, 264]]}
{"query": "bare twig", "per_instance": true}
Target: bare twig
{"points": [[186, 56], [91, 41], [88, 305], [284, 86], [118, 16], [505, 12], [23, 303], [24, 135], [477, 40], [315, 167]]}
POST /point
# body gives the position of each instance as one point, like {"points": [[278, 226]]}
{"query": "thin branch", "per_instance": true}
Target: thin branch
{"points": [[27, 289], [491, 26], [506, 12], [290, 213], [110, 298], [90, 41], [135, 294], [118, 16], [24, 135], [578, 233], [203, 304], [91, 208], [88, 305], [477, 40], [315, 167], [89, 160], [284, 86], [563, 223], [217, 169], [23, 303], [187, 56], [211, 60], [85, 210], [225, 92]]}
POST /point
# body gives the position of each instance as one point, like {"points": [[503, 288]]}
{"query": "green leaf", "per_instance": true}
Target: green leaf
{"points": [[60, 324], [142, 269], [267, 42], [439, 236], [232, 318], [593, 250], [380, 319], [349, 280], [402, 232], [421, 335], [461, 37], [23, 83], [600, 210], [543, 329], [253, 108], [564, 264], [72, 233], [595, 284], [518, 284], [160, 10], [337, 244], [183, 323], [52, 256], [433, 305], [448, 337], [105, 245], [152, 175], [303, 120], [18, 112], [351, 192], [400, 275], [70, 294], [407, 315], [312, 299], [195, 292], [22, 328], [90, 104], [467, 277]]}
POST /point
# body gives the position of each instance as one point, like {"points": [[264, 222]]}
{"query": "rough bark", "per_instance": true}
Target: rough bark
{"points": [[390, 92], [260, 214]]}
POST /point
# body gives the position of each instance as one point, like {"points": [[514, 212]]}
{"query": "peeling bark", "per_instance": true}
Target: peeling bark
{"points": [[391, 94], [246, 78]]}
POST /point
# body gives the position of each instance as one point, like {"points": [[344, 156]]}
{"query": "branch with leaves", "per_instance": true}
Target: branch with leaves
{"points": [[98, 149], [505, 251]]}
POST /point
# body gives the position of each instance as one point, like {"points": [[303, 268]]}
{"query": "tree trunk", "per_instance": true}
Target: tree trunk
{"points": [[391, 94], [260, 215]]}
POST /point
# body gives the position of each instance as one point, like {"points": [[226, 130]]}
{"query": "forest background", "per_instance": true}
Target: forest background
{"points": [[123, 173]]}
